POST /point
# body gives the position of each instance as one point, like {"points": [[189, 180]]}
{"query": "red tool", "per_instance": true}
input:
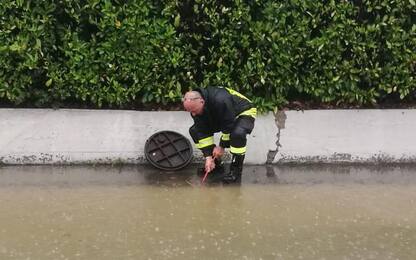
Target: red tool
{"points": [[205, 176]]}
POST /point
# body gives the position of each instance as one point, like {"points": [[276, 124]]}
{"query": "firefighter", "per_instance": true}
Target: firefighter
{"points": [[218, 109]]}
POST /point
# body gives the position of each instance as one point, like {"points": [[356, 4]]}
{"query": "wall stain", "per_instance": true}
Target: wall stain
{"points": [[335, 158], [345, 158], [60, 159], [280, 121]]}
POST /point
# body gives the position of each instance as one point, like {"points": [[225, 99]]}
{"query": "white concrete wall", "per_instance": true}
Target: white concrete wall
{"points": [[349, 136], [44, 136]]}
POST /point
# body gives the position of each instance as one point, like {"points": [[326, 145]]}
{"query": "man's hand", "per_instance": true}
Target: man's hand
{"points": [[218, 152], [209, 164]]}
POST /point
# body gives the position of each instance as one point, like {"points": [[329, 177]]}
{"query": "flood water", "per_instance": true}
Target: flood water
{"points": [[290, 212]]}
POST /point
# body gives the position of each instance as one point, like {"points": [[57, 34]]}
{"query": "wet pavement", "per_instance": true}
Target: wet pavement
{"points": [[137, 212]]}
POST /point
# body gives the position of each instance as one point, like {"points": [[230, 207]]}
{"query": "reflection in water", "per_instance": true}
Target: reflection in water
{"points": [[107, 213]]}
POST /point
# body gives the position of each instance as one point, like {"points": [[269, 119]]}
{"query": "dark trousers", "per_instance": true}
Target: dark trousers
{"points": [[243, 126]]}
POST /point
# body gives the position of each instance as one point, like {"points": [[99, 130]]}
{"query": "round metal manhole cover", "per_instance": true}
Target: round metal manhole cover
{"points": [[168, 150]]}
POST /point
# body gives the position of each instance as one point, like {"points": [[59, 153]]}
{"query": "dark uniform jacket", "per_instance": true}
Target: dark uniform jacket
{"points": [[222, 107], [220, 110]]}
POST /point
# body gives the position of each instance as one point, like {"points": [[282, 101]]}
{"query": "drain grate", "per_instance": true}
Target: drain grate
{"points": [[168, 150]]}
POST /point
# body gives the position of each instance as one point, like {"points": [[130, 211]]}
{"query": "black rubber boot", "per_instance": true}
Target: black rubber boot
{"points": [[236, 169], [218, 173]]}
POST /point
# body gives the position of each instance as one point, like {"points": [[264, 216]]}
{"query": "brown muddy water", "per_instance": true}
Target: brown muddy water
{"points": [[291, 212]]}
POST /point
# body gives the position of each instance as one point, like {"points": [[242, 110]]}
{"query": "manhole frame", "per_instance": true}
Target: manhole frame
{"points": [[170, 143]]}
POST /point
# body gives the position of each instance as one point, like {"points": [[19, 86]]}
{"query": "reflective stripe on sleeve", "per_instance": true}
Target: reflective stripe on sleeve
{"points": [[225, 137], [205, 142]]}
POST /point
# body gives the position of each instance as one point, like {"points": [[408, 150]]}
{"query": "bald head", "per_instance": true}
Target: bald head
{"points": [[192, 95], [193, 102]]}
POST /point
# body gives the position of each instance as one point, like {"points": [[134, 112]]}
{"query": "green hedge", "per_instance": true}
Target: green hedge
{"points": [[126, 54]]}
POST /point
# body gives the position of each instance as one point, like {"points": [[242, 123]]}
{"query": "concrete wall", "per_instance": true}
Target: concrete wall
{"points": [[349, 136], [44, 136]]}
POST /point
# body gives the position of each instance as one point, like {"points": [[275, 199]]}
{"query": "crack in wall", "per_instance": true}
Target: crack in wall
{"points": [[280, 120]]}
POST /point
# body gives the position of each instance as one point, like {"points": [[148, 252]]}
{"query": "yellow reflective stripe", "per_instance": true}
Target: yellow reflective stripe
{"points": [[251, 112], [225, 137], [205, 142], [233, 92], [236, 150]]}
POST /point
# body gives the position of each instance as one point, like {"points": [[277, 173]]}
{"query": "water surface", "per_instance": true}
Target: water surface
{"points": [[138, 213]]}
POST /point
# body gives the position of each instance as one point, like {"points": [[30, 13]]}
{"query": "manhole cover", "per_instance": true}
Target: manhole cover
{"points": [[168, 150]]}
